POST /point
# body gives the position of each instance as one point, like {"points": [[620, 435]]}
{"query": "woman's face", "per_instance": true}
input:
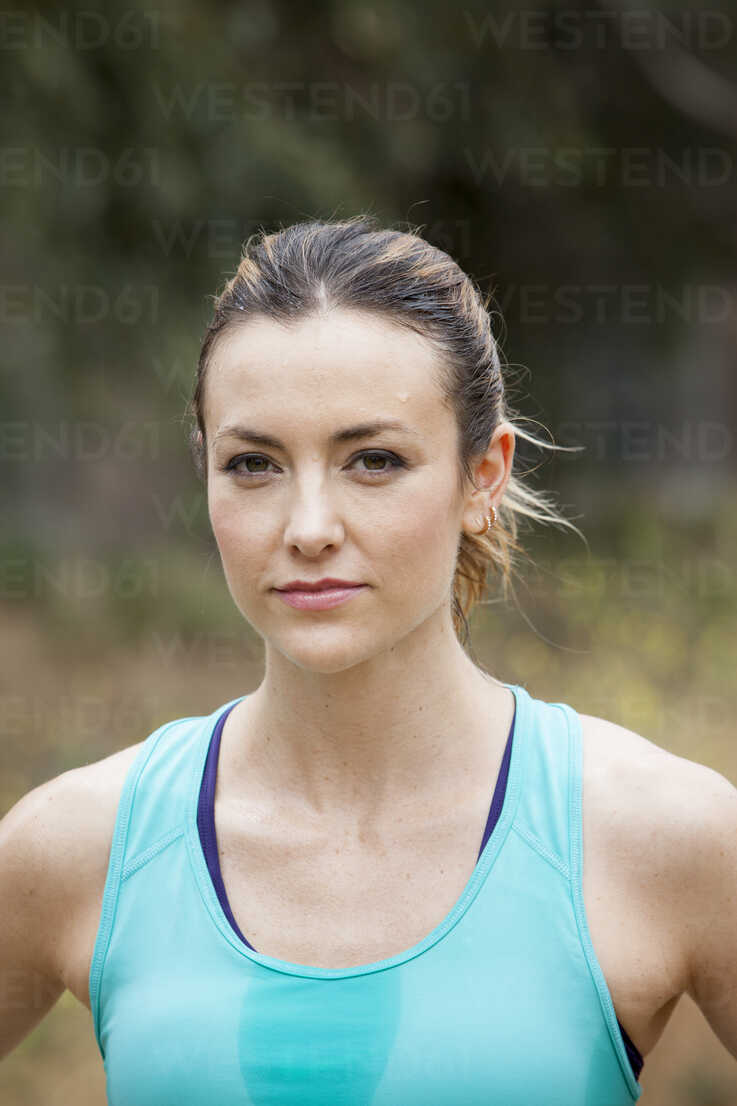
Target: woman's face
{"points": [[381, 509]]}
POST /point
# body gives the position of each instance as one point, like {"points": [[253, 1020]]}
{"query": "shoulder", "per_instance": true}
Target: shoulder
{"points": [[648, 781], [670, 824], [56, 816], [625, 761], [73, 814], [63, 828], [669, 804], [55, 843]]}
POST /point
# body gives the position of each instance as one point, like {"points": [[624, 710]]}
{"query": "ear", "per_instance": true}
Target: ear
{"points": [[491, 473]]}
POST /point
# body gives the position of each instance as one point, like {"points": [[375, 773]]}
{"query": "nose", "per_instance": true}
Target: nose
{"points": [[313, 524]]}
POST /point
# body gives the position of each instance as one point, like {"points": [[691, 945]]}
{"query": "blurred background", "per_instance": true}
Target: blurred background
{"points": [[578, 161]]}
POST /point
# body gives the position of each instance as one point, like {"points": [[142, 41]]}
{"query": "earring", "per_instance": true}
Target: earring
{"points": [[490, 520]]}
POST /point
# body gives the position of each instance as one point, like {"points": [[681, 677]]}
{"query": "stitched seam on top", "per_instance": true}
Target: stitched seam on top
{"points": [[143, 858], [544, 852]]}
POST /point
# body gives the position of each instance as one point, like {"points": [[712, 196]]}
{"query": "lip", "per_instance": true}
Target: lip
{"points": [[320, 600], [318, 585]]}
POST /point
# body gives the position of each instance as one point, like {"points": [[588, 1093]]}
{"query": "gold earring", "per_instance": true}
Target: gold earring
{"points": [[490, 520]]}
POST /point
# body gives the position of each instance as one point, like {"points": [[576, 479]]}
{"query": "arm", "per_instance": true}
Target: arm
{"points": [[710, 903], [30, 908]]}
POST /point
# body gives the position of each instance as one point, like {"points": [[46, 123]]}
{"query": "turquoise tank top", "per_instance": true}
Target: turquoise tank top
{"points": [[504, 1003]]}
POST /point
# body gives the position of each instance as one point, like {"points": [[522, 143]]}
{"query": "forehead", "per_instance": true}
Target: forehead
{"points": [[338, 364]]}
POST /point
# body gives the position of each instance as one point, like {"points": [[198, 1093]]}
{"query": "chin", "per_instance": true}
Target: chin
{"points": [[323, 663], [327, 650]]}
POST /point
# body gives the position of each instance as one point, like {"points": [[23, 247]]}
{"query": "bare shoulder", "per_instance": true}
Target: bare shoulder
{"points": [[54, 852], [647, 782], [66, 813], [658, 819], [633, 793], [660, 879], [685, 815]]}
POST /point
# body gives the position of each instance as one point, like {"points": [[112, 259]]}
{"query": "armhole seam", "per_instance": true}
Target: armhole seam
{"points": [[575, 846], [537, 846], [113, 880], [141, 859]]}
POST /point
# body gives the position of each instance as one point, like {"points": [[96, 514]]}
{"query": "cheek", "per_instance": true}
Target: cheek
{"points": [[222, 520], [412, 533], [409, 547], [234, 529], [423, 543]]}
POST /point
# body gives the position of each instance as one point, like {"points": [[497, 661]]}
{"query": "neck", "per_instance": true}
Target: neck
{"points": [[407, 724]]}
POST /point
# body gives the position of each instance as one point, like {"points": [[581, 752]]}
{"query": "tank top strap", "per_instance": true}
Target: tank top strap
{"points": [[543, 813], [153, 809]]}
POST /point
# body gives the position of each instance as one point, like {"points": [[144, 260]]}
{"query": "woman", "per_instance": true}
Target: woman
{"points": [[368, 880]]}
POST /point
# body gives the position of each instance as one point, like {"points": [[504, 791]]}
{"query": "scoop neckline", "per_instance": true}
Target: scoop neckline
{"points": [[471, 889]]}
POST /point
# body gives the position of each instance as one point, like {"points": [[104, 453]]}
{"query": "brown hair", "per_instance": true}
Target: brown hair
{"points": [[314, 266]]}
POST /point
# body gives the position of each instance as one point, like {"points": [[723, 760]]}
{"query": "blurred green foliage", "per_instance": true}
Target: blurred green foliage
{"points": [[577, 160]]}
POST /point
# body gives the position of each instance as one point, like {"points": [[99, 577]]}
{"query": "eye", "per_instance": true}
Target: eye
{"points": [[394, 462], [234, 464], [391, 462]]}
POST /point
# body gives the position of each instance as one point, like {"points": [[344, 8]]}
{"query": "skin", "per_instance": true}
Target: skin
{"points": [[358, 702], [370, 707]]}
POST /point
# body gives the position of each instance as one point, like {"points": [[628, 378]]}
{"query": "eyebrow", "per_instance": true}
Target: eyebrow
{"points": [[348, 434]]}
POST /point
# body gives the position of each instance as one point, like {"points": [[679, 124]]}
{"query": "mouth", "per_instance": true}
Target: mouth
{"points": [[317, 585], [320, 599]]}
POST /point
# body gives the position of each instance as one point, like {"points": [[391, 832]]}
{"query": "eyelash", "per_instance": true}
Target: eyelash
{"points": [[395, 463]]}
